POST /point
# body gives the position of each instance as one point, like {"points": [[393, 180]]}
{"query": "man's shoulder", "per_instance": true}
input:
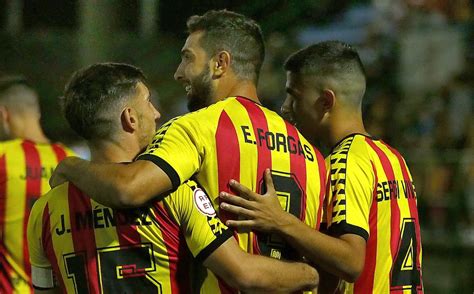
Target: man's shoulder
{"points": [[54, 196]]}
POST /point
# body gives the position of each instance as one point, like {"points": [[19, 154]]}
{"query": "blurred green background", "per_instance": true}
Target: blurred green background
{"points": [[418, 54]]}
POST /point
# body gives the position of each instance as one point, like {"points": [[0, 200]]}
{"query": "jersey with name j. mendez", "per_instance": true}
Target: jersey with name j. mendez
{"points": [[85, 247]]}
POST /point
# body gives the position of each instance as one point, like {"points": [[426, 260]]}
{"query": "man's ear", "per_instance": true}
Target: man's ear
{"points": [[328, 99], [129, 120], [221, 64]]}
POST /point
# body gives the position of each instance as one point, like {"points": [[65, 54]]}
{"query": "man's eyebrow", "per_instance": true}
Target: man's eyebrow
{"points": [[184, 51]]}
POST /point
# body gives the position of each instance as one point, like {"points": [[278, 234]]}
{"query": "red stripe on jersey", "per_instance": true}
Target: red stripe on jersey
{"points": [[5, 268], [411, 205], [298, 168], [178, 252], [395, 210], [228, 158], [59, 152], [322, 183], [48, 247], [33, 191], [260, 126], [264, 155], [365, 283], [127, 234], [83, 236], [228, 166]]}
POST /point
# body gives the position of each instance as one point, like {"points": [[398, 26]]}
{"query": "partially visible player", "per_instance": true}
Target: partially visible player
{"points": [[91, 248], [233, 138], [371, 202], [27, 160]]}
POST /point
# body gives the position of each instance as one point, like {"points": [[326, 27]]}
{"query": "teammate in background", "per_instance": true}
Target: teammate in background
{"points": [[91, 248], [27, 160], [371, 203], [233, 138]]}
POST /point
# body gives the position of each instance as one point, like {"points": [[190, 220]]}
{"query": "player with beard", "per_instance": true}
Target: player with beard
{"points": [[91, 248], [235, 137]]}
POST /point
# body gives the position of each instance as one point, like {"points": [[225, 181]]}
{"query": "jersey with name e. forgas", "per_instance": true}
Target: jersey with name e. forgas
{"points": [[238, 139], [372, 194], [25, 169], [91, 248]]}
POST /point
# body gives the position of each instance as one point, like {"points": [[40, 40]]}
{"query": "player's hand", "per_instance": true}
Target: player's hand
{"points": [[260, 212], [59, 175]]}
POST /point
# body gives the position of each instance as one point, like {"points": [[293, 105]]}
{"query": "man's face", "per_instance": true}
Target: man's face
{"points": [[194, 73], [301, 106], [147, 115]]}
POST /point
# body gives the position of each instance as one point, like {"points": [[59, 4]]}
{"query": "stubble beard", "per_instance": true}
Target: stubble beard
{"points": [[201, 91]]}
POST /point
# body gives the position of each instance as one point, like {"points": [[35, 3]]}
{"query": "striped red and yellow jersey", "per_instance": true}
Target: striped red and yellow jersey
{"points": [[371, 194], [25, 168], [90, 248], [238, 139]]}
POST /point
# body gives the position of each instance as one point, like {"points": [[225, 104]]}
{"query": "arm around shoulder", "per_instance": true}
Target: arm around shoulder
{"points": [[114, 184]]}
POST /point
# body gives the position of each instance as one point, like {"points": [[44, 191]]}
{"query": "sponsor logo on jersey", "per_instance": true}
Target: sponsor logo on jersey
{"points": [[203, 203]]}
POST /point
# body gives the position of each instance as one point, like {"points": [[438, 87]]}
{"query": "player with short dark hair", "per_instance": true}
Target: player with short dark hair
{"points": [[234, 137], [92, 248], [27, 160], [371, 210], [216, 32]]}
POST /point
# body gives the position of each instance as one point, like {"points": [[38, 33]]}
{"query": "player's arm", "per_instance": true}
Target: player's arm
{"points": [[42, 276], [114, 184], [343, 256], [258, 273], [212, 243]]}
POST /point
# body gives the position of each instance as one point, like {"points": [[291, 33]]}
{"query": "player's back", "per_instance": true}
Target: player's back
{"points": [[25, 168], [238, 139], [360, 166]]}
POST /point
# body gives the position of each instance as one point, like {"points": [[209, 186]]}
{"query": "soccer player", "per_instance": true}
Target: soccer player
{"points": [[27, 159], [371, 203], [91, 248], [235, 137]]}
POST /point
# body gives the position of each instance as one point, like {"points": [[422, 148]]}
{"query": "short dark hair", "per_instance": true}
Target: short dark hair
{"points": [[331, 59], [235, 33], [94, 95]]}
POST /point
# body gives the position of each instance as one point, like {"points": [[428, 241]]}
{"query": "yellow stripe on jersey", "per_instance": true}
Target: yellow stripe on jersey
{"points": [[25, 171], [372, 195], [238, 139], [105, 247]]}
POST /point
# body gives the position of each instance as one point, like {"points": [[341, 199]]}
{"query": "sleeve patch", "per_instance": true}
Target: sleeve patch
{"points": [[42, 277], [203, 203]]}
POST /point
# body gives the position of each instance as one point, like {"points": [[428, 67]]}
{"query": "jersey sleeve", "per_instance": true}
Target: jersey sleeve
{"points": [[176, 149], [203, 230], [351, 180], [41, 270]]}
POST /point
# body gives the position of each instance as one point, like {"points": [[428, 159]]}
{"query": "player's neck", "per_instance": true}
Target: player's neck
{"points": [[345, 124], [113, 151], [244, 88], [31, 131]]}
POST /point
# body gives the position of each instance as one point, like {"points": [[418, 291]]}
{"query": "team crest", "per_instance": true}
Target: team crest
{"points": [[203, 203]]}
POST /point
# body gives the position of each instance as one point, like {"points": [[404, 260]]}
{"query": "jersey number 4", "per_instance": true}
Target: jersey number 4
{"points": [[405, 273], [120, 270]]}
